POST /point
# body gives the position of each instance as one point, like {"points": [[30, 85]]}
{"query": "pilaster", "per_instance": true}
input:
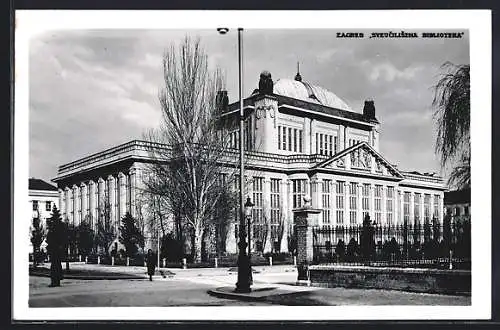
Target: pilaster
{"points": [[122, 195], [83, 201], [359, 208], [62, 205], [412, 208], [133, 197]]}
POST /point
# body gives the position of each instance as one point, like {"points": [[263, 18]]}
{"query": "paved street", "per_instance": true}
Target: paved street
{"points": [[189, 288]]}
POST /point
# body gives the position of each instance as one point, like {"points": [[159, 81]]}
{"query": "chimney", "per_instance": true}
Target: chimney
{"points": [[369, 109]]}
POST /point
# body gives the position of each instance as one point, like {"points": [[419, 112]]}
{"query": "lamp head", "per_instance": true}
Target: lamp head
{"points": [[222, 30], [249, 203]]}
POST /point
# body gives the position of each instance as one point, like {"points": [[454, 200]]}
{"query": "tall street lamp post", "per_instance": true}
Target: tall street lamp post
{"points": [[244, 271], [248, 213]]}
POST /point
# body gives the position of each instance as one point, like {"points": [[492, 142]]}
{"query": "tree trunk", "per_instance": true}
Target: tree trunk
{"points": [[198, 236]]}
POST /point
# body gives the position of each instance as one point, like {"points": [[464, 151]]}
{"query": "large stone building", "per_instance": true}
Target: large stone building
{"points": [[300, 139]]}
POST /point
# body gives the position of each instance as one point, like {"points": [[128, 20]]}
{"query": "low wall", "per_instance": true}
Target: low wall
{"points": [[405, 279]]}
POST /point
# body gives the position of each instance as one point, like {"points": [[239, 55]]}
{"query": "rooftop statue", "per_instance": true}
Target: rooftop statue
{"points": [[265, 83]]}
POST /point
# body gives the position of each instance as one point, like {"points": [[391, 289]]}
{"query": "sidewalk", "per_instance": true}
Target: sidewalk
{"points": [[289, 295], [81, 270]]}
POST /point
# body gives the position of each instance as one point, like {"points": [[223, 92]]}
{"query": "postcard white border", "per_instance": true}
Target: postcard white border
{"points": [[478, 22]]}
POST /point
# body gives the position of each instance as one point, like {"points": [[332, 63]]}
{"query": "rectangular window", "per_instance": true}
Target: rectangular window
{"points": [[295, 138], [390, 205], [275, 201], [365, 203], [336, 143], [436, 207], [378, 203], [279, 137], [427, 208], [321, 144], [331, 144], [300, 140], [48, 205], [406, 207], [298, 192], [340, 202], [257, 210], [35, 205], [317, 141], [284, 138], [353, 202], [289, 139], [325, 190], [326, 145], [416, 208]]}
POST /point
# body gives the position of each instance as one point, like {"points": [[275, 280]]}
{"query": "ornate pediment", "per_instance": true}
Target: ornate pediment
{"points": [[363, 158]]}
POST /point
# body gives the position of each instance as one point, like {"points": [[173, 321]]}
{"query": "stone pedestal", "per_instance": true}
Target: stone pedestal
{"points": [[305, 219]]}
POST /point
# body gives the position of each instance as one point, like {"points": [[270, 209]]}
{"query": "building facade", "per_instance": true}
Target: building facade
{"points": [[300, 139], [42, 197], [457, 204]]}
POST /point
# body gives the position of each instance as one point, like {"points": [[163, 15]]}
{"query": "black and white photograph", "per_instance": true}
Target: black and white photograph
{"points": [[190, 161]]}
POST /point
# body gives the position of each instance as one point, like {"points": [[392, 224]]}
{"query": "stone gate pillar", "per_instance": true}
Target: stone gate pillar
{"points": [[305, 218]]}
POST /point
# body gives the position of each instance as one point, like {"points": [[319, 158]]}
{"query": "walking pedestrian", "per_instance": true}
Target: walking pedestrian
{"points": [[150, 263]]}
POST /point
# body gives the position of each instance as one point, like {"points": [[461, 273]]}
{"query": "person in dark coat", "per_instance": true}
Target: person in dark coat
{"points": [[151, 264]]}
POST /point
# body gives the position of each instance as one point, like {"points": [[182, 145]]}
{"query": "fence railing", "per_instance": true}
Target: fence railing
{"points": [[427, 245]]}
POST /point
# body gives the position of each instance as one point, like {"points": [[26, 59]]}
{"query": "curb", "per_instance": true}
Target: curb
{"points": [[91, 277], [238, 296]]}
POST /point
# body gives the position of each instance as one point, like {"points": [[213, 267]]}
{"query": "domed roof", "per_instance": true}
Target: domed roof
{"points": [[304, 91]]}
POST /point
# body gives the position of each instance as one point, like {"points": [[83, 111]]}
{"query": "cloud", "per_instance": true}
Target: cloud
{"points": [[387, 72], [92, 89]]}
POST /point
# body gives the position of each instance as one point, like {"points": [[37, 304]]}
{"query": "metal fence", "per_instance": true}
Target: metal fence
{"points": [[419, 245]]}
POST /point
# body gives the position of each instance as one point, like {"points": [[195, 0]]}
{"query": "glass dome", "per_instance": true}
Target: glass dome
{"points": [[310, 93]]}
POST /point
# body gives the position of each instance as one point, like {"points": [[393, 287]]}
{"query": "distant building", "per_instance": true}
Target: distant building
{"points": [[300, 139], [42, 196], [457, 204]]}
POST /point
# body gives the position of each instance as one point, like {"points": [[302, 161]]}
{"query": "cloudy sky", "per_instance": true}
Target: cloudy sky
{"points": [[94, 89]]}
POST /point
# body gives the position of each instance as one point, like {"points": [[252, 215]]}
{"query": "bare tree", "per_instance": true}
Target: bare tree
{"points": [[190, 145], [279, 229]]}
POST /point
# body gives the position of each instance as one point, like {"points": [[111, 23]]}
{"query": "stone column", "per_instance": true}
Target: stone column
{"points": [[305, 218], [440, 208], [111, 200], [83, 201], [315, 193], [133, 201], [359, 198], [372, 202], [92, 203], [383, 200], [285, 207], [100, 199], [122, 195], [67, 204], [307, 137], [62, 206], [342, 144], [312, 137], [412, 208], [76, 208], [431, 201]]}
